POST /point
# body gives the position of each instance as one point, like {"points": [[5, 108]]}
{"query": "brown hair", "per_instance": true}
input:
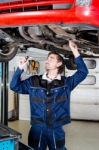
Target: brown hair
{"points": [[60, 59]]}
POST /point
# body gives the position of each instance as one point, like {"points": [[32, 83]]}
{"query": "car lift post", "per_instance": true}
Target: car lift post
{"points": [[4, 93]]}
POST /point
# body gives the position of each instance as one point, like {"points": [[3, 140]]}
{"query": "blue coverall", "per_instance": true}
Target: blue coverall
{"points": [[50, 106]]}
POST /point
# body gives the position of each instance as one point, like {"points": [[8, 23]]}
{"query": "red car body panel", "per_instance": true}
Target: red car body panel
{"points": [[15, 14]]}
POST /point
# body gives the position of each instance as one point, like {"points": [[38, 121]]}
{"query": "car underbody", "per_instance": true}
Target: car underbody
{"points": [[48, 37]]}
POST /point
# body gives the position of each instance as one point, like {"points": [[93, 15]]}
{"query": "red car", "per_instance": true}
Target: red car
{"points": [[48, 24], [29, 12]]}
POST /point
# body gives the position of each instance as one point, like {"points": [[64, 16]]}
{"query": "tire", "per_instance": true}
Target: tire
{"points": [[10, 53]]}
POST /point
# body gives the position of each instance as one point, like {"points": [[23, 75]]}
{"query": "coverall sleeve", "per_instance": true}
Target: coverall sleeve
{"points": [[19, 86], [80, 74]]}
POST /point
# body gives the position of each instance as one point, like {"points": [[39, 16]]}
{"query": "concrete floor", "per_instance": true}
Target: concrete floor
{"points": [[80, 135]]}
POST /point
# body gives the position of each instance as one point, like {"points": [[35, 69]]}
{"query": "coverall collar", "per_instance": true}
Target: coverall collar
{"points": [[49, 80]]}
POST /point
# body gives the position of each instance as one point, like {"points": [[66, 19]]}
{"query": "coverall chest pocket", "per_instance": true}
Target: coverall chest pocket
{"points": [[60, 95], [37, 95]]}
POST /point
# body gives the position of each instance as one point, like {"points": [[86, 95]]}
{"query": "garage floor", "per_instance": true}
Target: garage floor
{"points": [[80, 135]]}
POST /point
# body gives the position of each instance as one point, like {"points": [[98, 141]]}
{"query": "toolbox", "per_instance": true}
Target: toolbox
{"points": [[9, 138]]}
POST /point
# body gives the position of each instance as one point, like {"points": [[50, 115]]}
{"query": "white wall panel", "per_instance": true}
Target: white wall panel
{"points": [[85, 97], [85, 111]]}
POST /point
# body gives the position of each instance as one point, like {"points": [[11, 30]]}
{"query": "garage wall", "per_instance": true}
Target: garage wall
{"points": [[85, 98]]}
